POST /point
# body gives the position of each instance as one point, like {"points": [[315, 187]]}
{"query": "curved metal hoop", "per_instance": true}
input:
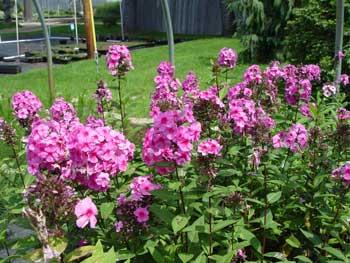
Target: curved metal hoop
{"points": [[48, 50], [169, 30]]}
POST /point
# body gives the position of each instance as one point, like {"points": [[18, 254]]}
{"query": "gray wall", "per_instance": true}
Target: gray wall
{"points": [[65, 4], [199, 17]]}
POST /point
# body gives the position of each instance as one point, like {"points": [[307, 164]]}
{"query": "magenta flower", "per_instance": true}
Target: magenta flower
{"points": [[209, 147], [86, 212], [227, 58], [142, 186], [344, 79], [341, 55], [141, 214], [25, 107], [342, 173], [118, 60], [296, 138], [63, 112], [343, 114]]}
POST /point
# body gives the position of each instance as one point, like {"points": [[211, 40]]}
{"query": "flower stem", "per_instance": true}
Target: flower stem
{"points": [[121, 105], [182, 203], [265, 209], [18, 166]]}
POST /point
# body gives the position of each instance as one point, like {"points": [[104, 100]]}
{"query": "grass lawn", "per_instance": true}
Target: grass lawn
{"points": [[78, 80]]}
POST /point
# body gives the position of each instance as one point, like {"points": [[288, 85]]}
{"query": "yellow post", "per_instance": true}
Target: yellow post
{"points": [[90, 28]]}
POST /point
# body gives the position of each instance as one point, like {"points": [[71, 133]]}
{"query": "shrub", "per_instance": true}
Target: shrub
{"points": [[260, 25], [310, 34], [109, 13]]}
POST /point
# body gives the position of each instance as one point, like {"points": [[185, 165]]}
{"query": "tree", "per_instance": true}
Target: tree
{"points": [[7, 5]]}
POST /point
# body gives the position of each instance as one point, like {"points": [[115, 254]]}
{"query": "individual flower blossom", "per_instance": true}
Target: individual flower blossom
{"points": [[240, 256], [305, 110], [25, 107], [47, 147], [102, 96], [141, 214], [227, 58], [344, 79], [165, 95], [341, 55], [274, 72], [329, 90], [96, 154], [311, 72], [142, 186], [132, 211], [342, 173], [298, 90], [94, 122], [296, 138], [190, 85], [118, 60], [343, 114], [86, 212], [253, 75], [166, 69], [170, 140], [63, 112], [209, 147]]}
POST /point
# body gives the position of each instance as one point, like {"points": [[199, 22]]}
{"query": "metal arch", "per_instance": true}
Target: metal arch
{"points": [[52, 92], [169, 30]]}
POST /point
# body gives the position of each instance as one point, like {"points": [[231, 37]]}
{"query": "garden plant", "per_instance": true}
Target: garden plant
{"points": [[255, 171]]}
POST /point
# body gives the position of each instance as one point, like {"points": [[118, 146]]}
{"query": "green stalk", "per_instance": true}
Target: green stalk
{"points": [[121, 105], [182, 203]]}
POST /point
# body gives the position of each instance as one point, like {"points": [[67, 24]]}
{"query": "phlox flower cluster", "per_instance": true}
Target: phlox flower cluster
{"points": [[25, 107], [96, 154], [342, 173], [102, 95], [243, 113], [329, 90], [132, 211], [86, 211], [170, 140], [93, 122], [253, 75], [7, 133], [118, 60], [47, 147], [343, 114], [63, 112], [190, 85], [304, 109], [209, 147], [227, 58], [165, 95], [295, 139]]}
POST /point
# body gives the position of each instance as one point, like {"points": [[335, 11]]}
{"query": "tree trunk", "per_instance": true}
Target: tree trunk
{"points": [[7, 10], [28, 11]]}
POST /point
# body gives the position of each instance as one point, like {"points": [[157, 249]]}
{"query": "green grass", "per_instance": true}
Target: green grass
{"points": [[78, 80]]}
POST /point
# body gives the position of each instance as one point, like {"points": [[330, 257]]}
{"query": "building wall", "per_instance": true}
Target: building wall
{"points": [[199, 17]]}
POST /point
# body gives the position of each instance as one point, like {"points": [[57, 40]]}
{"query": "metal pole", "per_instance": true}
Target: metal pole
{"points": [[169, 29], [48, 49], [17, 30], [76, 24], [121, 19], [339, 38]]}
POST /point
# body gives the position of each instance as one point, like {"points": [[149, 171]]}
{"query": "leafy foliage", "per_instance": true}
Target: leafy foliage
{"points": [[310, 34], [260, 24]]}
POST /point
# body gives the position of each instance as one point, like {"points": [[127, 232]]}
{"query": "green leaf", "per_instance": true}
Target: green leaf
{"points": [[124, 254], [162, 213], [277, 255], [316, 241], [293, 241], [110, 256], [335, 252], [106, 209], [79, 253], [179, 222], [274, 197], [58, 244], [303, 259], [185, 257], [222, 225], [35, 255]]}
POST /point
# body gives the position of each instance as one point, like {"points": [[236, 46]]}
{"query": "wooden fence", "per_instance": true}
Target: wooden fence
{"points": [[198, 17]]}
